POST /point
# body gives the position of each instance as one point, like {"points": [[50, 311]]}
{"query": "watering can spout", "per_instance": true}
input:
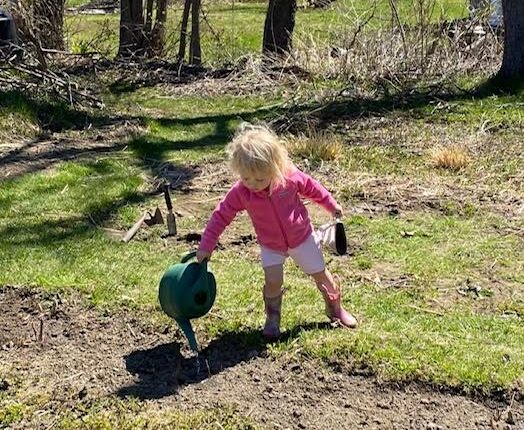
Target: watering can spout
{"points": [[187, 329]]}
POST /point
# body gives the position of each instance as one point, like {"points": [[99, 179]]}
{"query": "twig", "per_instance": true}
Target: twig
{"points": [[431, 311], [401, 27]]}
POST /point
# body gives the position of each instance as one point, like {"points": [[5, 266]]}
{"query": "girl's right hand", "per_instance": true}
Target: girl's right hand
{"points": [[202, 255]]}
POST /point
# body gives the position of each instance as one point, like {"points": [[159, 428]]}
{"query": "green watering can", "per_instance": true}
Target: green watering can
{"points": [[187, 290]]}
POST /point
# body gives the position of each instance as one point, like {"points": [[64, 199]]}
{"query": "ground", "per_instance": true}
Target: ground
{"points": [[58, 348]]}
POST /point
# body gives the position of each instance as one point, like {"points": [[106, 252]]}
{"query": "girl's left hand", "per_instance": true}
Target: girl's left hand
{"points": [[338, 212]]}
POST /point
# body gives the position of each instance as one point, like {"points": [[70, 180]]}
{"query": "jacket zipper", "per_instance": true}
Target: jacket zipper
{"points": [[279, 222]]}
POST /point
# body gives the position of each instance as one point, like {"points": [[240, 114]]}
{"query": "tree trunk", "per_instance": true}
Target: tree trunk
{"points": [[7, 28], [278, 28], [195, 55], [183, 31], [131, 28], [513, 59]]}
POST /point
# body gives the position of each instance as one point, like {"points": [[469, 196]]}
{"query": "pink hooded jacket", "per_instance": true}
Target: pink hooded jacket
{"points": [[280, 219]]}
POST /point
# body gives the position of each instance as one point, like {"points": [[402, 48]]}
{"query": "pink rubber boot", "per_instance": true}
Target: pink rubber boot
{"points": [[273, 305], [334, 309]]}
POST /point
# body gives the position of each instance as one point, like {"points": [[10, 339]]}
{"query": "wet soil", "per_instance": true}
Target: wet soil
{"points": [[57, 347]]}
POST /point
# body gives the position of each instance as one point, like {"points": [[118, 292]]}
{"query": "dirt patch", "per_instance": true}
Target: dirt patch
{"points": [[55, 347]]}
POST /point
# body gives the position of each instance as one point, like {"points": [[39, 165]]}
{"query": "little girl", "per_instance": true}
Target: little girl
{"points": [[269, 189]]}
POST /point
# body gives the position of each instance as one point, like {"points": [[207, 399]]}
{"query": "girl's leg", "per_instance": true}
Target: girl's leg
{"points": [[274, 278], [309, 257], [332, 297]]}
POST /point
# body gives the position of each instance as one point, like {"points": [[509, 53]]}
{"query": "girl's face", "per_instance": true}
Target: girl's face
{"points": [[255, 181]]}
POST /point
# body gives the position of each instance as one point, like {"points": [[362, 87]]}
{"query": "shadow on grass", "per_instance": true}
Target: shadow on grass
{"points": [[49, 232], [45, 150], [497, 85], [162, 370], [53, 117]]}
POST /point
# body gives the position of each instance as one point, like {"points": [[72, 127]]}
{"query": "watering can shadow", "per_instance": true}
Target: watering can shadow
{"points": [[187, 290]]}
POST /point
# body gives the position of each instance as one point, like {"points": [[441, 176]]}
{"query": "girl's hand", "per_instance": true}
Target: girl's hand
{"points": [[338, 212], [202, 255]]}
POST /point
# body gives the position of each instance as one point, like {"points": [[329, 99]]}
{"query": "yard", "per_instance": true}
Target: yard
{"points": [[432, 184]]}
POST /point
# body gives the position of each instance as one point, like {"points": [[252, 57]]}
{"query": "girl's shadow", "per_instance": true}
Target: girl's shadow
{"points": [[161, 370]]}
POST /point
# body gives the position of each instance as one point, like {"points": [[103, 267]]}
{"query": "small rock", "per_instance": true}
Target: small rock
{"points": [[383, 405], [4, 385], [393, 211], [297, 413], [294, 367]]}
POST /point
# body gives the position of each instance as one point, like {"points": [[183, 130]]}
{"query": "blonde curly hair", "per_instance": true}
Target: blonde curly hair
{"points": [[256, 149]]}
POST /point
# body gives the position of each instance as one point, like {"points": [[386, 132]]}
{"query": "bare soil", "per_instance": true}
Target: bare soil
{"points": [[57, 348]]}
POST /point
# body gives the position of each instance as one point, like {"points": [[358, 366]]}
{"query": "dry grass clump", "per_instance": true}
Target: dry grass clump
{"points": [[317, 147], [453, 157]]}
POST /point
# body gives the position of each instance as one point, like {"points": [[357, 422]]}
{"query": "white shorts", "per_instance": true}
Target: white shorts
{"points": [[308, 255]]}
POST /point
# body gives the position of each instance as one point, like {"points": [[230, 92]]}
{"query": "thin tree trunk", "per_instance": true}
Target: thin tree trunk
{"points": [[131, 28], [149, 17], [513, 59], [183, 31], [195, 55], [7, 28]]}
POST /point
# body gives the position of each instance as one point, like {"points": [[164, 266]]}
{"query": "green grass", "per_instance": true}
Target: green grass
{"points": [[437, 247], [11, 412], [176, 134], [113, 413], [18, 116], [398, 340], [485, 113]]}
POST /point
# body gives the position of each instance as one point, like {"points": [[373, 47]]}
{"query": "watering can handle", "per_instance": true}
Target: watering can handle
{"points": [[189, 256]]}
